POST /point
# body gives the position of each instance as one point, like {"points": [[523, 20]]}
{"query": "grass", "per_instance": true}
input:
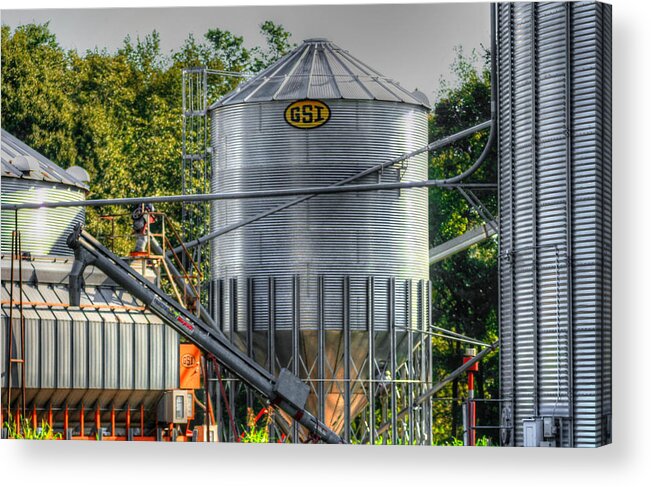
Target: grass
{"points": [[454, 441], [27, 431], [253, 432]]}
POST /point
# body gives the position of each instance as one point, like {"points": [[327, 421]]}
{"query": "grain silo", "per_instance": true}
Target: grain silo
{"points": [[554, 82], [334, 288]]}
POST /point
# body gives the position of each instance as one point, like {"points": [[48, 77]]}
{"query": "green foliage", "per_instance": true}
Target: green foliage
{"points": [[254, 432], [454, 441], [27, 431], [36, 89], [464, 286]]}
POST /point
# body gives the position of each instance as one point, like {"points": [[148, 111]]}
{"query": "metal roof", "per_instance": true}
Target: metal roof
{"points": [[33, 165], [100, 294], [318, 69]]}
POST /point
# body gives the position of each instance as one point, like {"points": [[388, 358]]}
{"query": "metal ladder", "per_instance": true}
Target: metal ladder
{"points": [[19, 359], [195, 175]]}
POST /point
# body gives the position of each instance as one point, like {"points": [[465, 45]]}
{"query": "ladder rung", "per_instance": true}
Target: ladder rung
{"points": [[17, 360], [194, 157], [195, 113]]}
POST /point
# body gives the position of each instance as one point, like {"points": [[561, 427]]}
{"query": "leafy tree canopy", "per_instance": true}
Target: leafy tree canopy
{"points": [[464, 286]]}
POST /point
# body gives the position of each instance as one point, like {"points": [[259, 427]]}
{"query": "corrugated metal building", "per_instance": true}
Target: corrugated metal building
{"points": [[103, 357], [109, 350]]}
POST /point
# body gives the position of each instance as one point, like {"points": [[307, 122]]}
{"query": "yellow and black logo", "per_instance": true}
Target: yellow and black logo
{"points": [[307, 114]]}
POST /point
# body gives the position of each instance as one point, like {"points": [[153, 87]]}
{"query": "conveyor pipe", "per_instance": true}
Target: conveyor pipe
{"points": [[287, 391]]}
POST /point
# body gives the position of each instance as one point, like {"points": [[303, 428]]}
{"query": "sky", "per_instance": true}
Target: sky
{"points": [[411, 43]]}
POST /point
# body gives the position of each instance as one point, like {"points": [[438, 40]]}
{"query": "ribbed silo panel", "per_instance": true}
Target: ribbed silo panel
{"points": [[364, 234]]}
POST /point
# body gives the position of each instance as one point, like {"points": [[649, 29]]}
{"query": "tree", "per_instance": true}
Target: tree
{"points": [[464, 287], [36, 88]]}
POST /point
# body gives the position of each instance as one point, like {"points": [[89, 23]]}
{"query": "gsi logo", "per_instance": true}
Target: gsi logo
{"points": [[188, 360], [307, 114]]}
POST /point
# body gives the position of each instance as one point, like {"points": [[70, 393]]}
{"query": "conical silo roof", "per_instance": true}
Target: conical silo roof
{"points": [[319, 69]]}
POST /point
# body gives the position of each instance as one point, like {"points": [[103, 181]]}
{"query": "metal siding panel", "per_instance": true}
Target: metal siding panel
{"points": [[156, 361], [64, 354], [358, 306], [95, 354], [111, 355], [400, 304], [141, 356], [171, 358], [125, 355], [48, 353], [260, 304], [80, 354], [32, 355], [592, 233], [506, 213]]}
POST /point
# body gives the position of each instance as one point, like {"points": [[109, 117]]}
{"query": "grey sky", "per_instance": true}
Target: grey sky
{"points": [[412, 43]]}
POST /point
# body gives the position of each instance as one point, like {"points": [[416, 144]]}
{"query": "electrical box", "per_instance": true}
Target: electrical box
{"points": [[532, 430], [175, 406], [203, 434]]}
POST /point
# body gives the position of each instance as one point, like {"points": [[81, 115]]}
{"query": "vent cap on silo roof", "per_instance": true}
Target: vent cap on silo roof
{"points": [[320, 70], [21, 161]]}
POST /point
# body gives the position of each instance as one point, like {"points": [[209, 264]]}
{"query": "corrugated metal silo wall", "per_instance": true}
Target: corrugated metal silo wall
{"points": [[381, 234], [554, 80], [44, 231]]}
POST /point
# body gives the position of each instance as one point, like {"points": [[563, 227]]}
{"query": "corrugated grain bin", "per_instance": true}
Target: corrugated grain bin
{"points": [[303, 287], [29, 177], [555, 222]]}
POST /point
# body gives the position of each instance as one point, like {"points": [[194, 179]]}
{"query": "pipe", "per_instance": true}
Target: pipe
{"points": [[305, 192], [462, 242], [430, 147], [460, 336]]}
